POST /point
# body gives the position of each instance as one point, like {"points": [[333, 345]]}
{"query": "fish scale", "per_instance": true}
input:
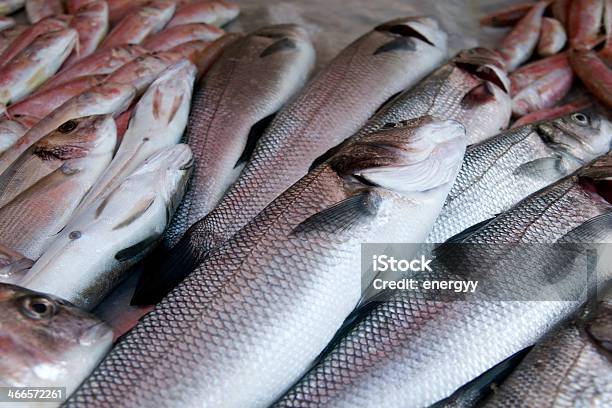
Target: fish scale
{"points": [[223, 113], [260, 309], [333, 106], [436, 346]]}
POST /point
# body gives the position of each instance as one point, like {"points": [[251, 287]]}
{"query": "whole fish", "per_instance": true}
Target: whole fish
{"points": [[35, 64], [46, 341], [171, 37], [68, 142], [499, 172], [507, 16], [354, 84], [215, 12], [223, 117], [552, 37], [594, 74], [30, 222], [42, 103], [438, 341], [91, 22], [6, 22], [136, 26], [584, 23], [158, 120], [552, 113], [371, 190], [100, 100], [571, 364], [518, 45], [13, 265], [123, 227], [543, 93], [39, 9], [10, 132], [529, 73], [10, 6], [28, 35], [101, 62], [7, 36]]}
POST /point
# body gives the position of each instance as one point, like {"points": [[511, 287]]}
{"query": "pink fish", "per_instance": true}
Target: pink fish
{"points": [[551, 113], [173, 36], [529, 73], [544, 93], [584, 23], [552, 37], [215, 12]]}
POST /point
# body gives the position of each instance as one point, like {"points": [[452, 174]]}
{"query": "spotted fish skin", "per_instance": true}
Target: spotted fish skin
{"points": [[223, 113], [332, 107]]}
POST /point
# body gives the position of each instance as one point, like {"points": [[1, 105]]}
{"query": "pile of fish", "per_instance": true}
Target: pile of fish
{"points": [[230, 189]]}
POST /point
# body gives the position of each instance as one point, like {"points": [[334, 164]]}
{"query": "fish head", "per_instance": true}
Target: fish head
{"points": [[485, 64], [423, 28], [416, 158], [580, 136], [47, 341], [169, 168]]}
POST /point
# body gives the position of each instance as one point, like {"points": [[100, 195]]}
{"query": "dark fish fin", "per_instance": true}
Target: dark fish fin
{"points": [[342, 216], [545, 168], [398, 27], [257, 130], [279, 46], [461, 236], [141, 207], [164, 270], [325, 156], [136, 249], [397, 44]]}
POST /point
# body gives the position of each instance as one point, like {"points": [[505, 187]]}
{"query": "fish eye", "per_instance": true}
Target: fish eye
{"points": [[67, 127], [38, 307], [581, 119]]}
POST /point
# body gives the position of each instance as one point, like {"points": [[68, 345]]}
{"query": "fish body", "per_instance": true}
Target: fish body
{"points": [[136, 26], [39, 9], [13, 265], [508, 16], [552, 37], [436, 342], [42, 103], [498, 173], [215, 12], [91, 22], [46, 341], [519, 44], [100, 100], [571, 364], [31, 220], [529, 73], [66, 143], [584, 23], [123, 227], [594, 74], [173, 36], [72, 6], [10, 132], [8, 35], [158, 121], [10, 6], [355, 83], [552, 113], [102, 62], [317, 225], [35, 64], [223, 115], [543, 93]]}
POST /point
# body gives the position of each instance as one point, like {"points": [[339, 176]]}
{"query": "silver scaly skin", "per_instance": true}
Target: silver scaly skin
{"points": [[269, 66], [501, 171], [571, 367], [332, 107], [251, 319], [414, 349]]}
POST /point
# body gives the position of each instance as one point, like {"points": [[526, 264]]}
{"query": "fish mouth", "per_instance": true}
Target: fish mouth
{"points": [[421, 27], [485, 64]]}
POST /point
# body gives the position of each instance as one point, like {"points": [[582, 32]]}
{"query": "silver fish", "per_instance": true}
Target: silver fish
{"points": [[223, 115], [260, 309], [332, 107], [572, 366], [29, 222], [416, 348], [123, 227], [498, 173], [47, 342]]}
